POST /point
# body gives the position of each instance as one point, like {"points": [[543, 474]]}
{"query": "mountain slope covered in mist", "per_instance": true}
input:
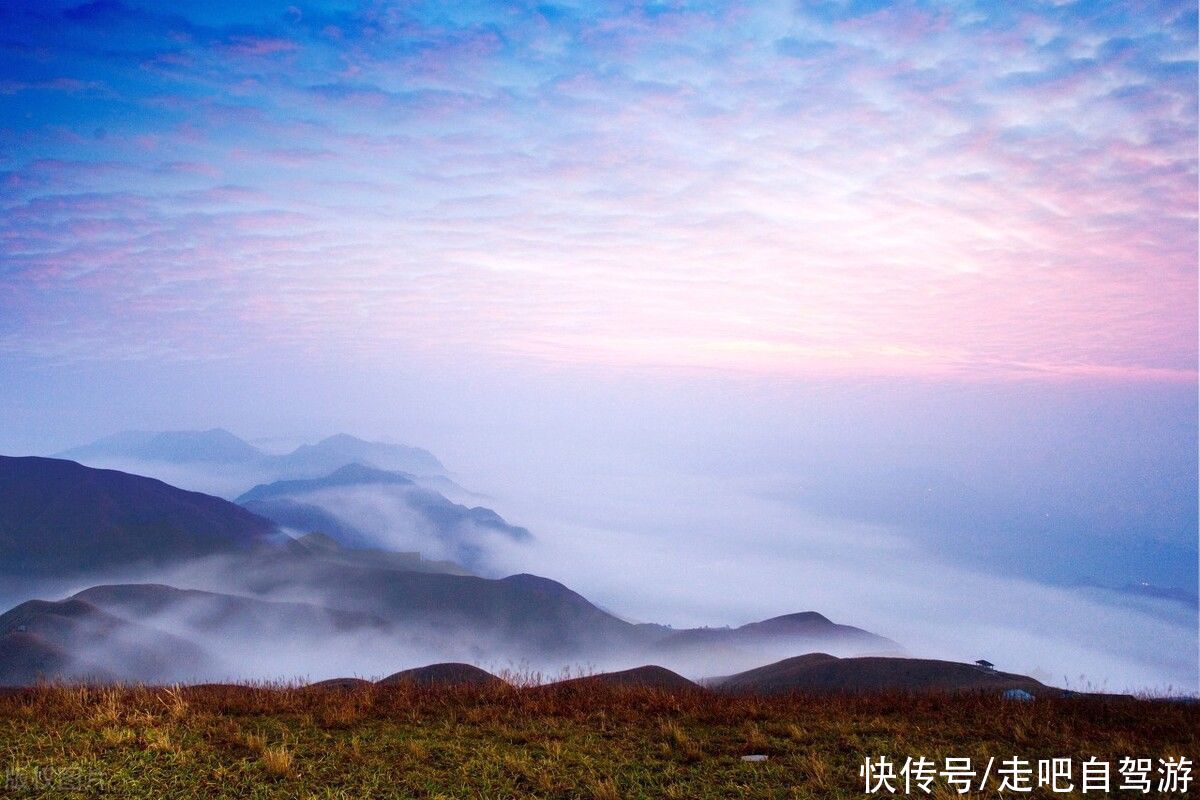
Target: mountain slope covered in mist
{"points": [[522, 616], [807, 625], [59, 517], [361, 506], [223, 613], [348, 475], [261, 604], [74, 640], [778, 637], [331, 550]]}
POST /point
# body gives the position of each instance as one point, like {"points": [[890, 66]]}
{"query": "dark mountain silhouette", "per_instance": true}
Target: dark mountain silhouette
{"points": [[59, 517], [820, 672], [778, 635], [218, 446], [74, 640], [453, 529], [651, 676], [26, 658], [346, 475], [804, 623], [448, 674], [537, 612], [519, 615]]}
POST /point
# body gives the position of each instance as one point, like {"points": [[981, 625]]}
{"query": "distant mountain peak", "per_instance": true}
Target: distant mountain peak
{"points": [[341, 439], [348, 475], [214, 444], [361, 473], [538, 582], [800, 617], [220, 446], [342, 448]]}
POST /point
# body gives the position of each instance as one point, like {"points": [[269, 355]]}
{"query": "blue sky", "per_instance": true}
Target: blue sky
{"points": [[913, 189]]}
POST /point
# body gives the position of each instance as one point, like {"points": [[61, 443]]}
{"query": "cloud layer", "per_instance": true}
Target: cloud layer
{"points": [[991, 190]]}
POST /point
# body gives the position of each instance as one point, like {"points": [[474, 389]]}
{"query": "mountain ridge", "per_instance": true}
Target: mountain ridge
{"points": [[217, 445], [60, 517]]}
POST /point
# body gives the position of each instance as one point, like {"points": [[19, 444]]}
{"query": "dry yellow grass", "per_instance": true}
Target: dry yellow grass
{"points": [[605, 789], [226, 742], [277, 762]]}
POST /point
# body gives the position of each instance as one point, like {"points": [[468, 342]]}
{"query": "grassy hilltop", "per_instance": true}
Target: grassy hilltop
{"points": [[494, 742]]}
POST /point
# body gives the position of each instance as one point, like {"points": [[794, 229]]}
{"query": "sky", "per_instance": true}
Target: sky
{"points": [[922, 266]]}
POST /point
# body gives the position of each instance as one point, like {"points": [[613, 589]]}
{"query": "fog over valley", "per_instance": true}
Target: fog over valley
{"points": [[640, 531]]}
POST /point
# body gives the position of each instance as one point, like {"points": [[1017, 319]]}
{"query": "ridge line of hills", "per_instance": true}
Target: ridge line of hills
{"points": [[219, 446], [257, 584]]}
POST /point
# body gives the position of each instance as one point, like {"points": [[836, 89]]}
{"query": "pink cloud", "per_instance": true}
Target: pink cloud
{"points": [[259, 46], [933, 196]]}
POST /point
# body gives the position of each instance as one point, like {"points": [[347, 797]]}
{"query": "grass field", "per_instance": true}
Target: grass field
{"points": [[598, 743]]}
